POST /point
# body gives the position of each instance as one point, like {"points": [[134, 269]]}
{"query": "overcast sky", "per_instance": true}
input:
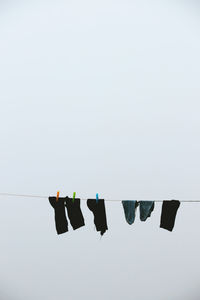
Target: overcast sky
{"points": [[99, 97]]}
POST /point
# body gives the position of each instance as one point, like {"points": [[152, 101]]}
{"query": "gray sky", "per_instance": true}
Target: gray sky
{"points": [[99, 96]]}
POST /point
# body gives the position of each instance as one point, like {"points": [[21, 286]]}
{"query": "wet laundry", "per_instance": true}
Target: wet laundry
{"points": [[146, 208], [130, 207], [99, 212], [130, 210], [60, 216], [168, 215], [74, 212]]}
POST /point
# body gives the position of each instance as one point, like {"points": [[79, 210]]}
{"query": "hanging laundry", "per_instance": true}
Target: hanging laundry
{"points": [[74, 212], [168, 215], [60, 216], [130, 207], [130, 210], [99, 212], [146, 208]]}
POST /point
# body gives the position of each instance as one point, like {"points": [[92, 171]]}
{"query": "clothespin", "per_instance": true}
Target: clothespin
{"points": [[57, 197], [97, 197], [74, 195]]}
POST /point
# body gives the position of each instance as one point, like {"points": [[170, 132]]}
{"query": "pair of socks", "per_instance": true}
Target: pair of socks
{"points": [[73, 210], [146, 208]]}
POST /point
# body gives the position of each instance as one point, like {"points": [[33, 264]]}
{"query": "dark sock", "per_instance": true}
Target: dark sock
{"points": [[130, 207], [146, 208], [74, 212], [60, 216], [99, 212], [168, 215]]}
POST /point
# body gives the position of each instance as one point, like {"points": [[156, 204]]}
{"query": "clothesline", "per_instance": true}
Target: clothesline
{"points": [[97, 207], [46, 197]]}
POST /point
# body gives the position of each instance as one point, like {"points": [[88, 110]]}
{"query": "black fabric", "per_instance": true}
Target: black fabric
{"points": [[168, 215], [99, 212], [74, 212], [60, 216]]}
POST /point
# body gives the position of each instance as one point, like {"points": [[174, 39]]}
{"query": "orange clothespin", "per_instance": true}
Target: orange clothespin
{"points": [[57, 197]]}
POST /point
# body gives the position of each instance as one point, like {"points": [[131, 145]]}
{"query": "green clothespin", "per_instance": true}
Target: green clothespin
{"points": [[74, 195]]}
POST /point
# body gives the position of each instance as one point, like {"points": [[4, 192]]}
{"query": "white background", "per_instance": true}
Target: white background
{"points": [[99, 96]]}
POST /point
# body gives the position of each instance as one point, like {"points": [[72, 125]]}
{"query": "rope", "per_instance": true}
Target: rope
{"points": [[46, 197]]}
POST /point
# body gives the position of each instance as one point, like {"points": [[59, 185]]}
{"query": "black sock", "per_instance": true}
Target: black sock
{"points": [[168, 215], [60, 216], [99, 212], [74, 212]]}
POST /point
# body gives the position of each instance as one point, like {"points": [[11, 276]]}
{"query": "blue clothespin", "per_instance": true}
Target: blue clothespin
{"points": [[97, 197]]}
